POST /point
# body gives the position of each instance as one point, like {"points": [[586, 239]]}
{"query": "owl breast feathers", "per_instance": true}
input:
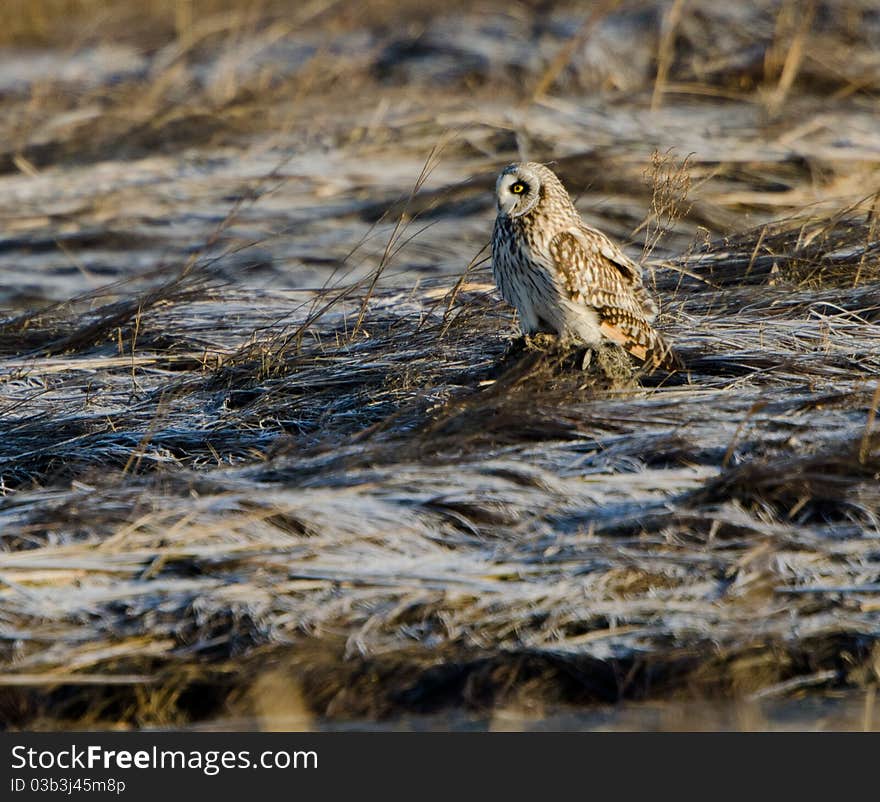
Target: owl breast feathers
{"points": [[564, 276]]}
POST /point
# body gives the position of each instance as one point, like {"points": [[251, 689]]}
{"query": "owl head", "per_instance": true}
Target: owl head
{"points": [[523, 184]]}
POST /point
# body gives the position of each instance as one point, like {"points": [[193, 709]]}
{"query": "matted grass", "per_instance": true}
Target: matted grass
{"points": [[406, 518]]}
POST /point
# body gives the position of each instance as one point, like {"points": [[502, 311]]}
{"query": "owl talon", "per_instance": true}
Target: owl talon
{"points": [[588, 358]]}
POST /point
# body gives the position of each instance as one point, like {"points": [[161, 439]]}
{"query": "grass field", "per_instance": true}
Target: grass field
{"points": [[271, 452]]}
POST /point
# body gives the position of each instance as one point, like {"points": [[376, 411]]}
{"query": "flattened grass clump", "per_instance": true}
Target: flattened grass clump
{"points": [[839, 484], [807, 253]]}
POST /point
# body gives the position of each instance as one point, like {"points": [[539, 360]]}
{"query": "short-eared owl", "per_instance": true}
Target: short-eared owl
{"points": [[563, 276]]}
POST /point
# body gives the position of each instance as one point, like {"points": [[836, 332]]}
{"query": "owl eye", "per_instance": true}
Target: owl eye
{"points": [[518, 188]]}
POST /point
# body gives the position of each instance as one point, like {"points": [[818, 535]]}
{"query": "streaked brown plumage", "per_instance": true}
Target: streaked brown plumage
{"points": [[564, 276]]}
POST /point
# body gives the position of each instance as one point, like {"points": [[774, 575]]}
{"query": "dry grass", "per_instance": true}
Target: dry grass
{"points": [[363, 497], [416, 514]]}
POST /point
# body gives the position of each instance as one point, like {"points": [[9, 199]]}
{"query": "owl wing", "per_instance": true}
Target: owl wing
{"points": [[628, 269], [595, 272]]}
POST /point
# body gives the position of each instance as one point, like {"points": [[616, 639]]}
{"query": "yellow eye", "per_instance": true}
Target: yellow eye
{"points": [[518, 188]]}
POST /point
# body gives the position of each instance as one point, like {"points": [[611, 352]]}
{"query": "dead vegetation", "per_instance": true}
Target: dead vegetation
{"points": [[362, 497], [418, 516]]}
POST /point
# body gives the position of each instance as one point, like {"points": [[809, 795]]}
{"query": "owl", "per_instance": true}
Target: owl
{"points": [[562, 275]]}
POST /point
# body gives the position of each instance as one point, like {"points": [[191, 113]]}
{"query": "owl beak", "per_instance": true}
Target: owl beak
{"points": [[506, 203]]}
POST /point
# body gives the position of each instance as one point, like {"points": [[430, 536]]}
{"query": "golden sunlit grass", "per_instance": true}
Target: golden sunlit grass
{"points": [[34, 22]]}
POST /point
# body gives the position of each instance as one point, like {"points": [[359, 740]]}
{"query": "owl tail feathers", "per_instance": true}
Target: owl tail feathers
{"points": [[662, 356], [645, 344]]}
